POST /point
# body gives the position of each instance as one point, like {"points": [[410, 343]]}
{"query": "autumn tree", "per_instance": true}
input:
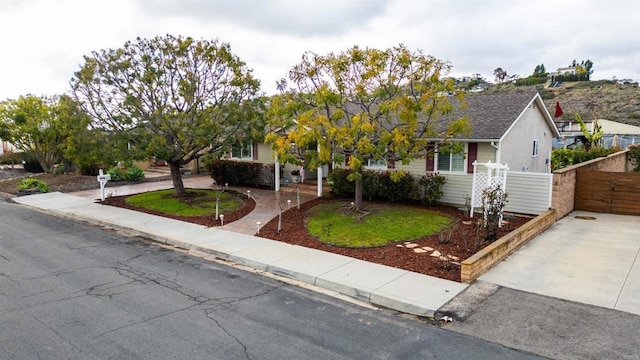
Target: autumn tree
{"points": [[584, 69], [499, 74], [362, 105], [31, 123], [173, 98]]}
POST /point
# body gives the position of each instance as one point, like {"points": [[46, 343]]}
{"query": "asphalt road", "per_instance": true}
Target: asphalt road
{"points": [[556, 328], [73, 291]]}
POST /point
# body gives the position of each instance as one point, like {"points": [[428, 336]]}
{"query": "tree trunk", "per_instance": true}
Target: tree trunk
{"points": [[176, 177], [358, 200]]}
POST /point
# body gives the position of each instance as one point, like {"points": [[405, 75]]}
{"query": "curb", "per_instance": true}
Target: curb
{"points": [[6, 197], [462, 306], [392, 288]]}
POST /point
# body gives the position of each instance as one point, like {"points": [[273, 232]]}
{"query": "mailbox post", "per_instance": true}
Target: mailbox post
{"points": [[103, 179]]}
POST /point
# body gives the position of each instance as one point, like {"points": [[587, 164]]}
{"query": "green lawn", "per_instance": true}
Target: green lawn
{"points": [[385, 224], [203, 202]]}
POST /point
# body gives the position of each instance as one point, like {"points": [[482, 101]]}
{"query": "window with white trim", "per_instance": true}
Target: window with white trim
{"points": [[380, 164], [242, 151], [536, 144], [449, 162]]}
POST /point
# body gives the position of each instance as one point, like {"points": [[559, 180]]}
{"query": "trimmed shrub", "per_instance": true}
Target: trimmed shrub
{"points": [[431, 188], [235, 173], [116, 173], [379, 185], [340, 185], [92, 170], [31, 165], [133, 173], [561, 158], [33, 183]]}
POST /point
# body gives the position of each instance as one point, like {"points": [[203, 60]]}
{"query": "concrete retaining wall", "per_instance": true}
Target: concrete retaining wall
{"points": [[488, 257]]}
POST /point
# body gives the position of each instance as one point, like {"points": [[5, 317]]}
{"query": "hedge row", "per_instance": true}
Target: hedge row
{"points": [[378, 185], [241, 173], [561, 158]]}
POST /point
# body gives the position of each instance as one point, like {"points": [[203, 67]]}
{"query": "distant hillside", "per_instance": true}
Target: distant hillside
{"points": [[611, 101]]}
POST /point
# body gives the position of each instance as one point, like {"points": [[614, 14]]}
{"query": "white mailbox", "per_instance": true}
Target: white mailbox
{"points": [[102, 179]]}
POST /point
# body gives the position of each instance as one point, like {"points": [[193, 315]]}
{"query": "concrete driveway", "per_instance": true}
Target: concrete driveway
{"points": [[591, 261]]}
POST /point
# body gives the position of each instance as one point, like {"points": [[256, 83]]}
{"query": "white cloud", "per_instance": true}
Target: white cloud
{"points": [[44, 40], [293, 17]]}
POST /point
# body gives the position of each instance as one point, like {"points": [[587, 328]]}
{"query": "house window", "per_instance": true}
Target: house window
{"points": [[242, 151], [450, 162], [380, 164], [535, 148]]}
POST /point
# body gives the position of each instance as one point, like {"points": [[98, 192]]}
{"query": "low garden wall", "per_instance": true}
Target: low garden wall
{"points": [[564, 180], [488, 257]]}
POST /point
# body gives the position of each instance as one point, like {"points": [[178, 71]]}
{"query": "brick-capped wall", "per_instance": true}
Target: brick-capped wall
{"points": [[564, 180], [480, 262], [564, 184]]}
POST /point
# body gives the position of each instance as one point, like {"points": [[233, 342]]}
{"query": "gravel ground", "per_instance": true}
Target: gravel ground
{"points": [[7, 173]]}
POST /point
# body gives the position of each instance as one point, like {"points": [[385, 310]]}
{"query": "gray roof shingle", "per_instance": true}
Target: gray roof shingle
{"points": [[491, 115]]}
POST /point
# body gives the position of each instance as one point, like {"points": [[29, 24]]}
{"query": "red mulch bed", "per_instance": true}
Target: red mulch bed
{"points": [[294, 232]]}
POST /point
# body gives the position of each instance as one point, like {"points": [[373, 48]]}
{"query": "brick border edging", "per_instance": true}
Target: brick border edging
{"points": [[482, 261]]}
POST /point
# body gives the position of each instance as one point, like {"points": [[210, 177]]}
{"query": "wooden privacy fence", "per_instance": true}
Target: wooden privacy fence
{"points": [[608, 192]]}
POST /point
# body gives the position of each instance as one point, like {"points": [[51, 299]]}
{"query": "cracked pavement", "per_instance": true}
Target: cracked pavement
{"points": [[73, 291]]}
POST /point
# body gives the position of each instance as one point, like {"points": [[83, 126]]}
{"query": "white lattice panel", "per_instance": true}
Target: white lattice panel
{"points": [[479, 184], [495, 176], [495, 181]]}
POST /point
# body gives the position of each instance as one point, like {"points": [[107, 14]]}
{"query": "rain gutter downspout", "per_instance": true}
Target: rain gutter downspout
{"points": [[497, 147]]}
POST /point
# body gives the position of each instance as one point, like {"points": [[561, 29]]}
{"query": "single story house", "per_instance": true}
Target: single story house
{"points": [[513, 129]]}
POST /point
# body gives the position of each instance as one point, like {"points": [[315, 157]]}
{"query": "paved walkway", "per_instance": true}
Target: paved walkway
{"points": [[381, 285], [589, 261]]}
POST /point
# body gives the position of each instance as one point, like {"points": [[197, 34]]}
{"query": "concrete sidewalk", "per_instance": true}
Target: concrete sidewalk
{"points": [[381, 285]]}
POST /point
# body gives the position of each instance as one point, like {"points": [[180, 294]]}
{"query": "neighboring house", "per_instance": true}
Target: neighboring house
{"points": [[614, 134], [6, 147], [565, 70]]}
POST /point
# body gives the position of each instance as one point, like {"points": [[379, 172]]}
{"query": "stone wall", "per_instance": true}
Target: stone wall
{"points": [[564, 180], [480, 262]]}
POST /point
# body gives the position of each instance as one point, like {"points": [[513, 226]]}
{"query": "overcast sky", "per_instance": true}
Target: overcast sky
{"points": [[43, 41]]}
